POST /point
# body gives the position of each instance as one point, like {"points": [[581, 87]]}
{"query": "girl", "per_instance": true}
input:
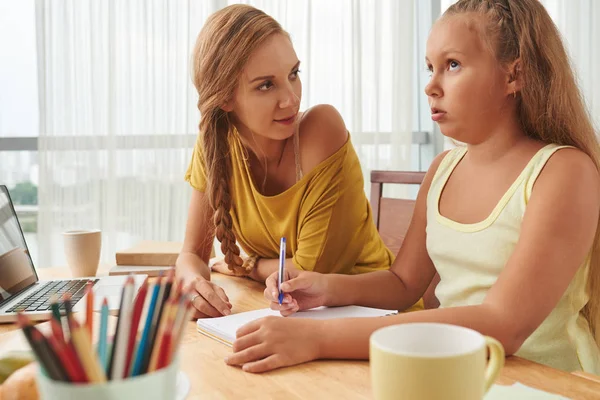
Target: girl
{"points": [[509, 222], [263, 170]]}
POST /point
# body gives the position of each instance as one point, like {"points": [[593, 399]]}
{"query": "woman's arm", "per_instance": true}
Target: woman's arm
{"points": [[199, 237], [192, 262], [266, 266]]}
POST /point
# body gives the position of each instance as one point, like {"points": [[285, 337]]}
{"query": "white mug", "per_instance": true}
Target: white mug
{"points": [[433, 361], [82, 250]]}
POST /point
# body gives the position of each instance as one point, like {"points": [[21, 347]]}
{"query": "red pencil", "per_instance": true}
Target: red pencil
{"points": [[60, 349], [57, 330], [133, 330], [70, 349], [165, 347]]}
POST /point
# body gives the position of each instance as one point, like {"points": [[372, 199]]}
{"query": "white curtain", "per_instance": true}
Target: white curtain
{"points": [[118, 115], [579, 24]]}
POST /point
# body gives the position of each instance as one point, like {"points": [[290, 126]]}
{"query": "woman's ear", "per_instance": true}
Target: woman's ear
{"points": [[227, 106], [514, 78]]}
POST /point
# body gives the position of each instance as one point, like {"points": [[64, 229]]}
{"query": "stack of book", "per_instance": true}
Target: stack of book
{"points": [[147, 257]]}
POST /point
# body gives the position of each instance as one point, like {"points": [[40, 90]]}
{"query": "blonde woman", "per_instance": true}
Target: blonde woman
{"points": [[262, 169]]}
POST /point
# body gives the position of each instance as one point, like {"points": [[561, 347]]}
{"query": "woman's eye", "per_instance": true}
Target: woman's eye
{"points": [[265, 86]]}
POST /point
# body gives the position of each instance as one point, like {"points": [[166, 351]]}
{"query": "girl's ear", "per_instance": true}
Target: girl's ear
{"points": [[514, 78]]}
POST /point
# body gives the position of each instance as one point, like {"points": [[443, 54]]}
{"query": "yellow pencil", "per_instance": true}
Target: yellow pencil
{"points": [[88, 357]]}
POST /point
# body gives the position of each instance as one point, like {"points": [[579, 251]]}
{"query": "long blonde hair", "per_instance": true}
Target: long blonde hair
{"points": [[224, 45], [550, 107]]}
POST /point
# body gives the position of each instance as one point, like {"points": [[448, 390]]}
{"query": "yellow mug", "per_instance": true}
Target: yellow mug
{"points": [[431, 361]]}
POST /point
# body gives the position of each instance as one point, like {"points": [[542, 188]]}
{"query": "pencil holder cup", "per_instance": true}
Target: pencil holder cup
{"points": [[157, 385]]}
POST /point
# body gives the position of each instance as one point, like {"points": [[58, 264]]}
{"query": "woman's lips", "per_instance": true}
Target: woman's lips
{"points": [[287, 121]]}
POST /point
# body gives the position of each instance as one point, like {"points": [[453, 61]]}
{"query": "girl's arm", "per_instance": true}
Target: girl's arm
{"points": [[410, 274], [556, 236]]}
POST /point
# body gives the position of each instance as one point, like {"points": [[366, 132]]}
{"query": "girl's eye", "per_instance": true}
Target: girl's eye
{"points": [[453, 65], [294, 74]]}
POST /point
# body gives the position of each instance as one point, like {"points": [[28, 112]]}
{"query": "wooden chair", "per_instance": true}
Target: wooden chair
{"points": [[392, 216]]}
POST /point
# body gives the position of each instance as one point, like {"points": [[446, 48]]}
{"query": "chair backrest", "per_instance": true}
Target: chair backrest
{"points": [[392, 216]]}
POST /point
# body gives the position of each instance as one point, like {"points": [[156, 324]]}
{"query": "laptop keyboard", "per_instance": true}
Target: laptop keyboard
{"points": [[40, 300]]}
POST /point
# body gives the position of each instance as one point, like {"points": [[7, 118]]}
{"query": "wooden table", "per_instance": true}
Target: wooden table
{"points": [[202, 360]]}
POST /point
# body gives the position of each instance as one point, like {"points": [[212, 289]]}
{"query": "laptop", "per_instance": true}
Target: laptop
{"points": [[22, 290]]}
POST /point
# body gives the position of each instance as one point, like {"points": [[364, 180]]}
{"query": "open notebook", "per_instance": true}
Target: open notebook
{"points": [[223, 329]]}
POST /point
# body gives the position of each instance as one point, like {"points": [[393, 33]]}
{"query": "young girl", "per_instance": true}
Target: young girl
{"points": [[509, 222], [263, 170]]}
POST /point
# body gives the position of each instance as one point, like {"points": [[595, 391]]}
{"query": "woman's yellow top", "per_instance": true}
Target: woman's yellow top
{"points": [[325, 216], [471, 257]]}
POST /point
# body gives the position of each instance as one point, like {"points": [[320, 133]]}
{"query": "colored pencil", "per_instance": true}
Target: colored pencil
{"points": [[43, 351], [122, 337], [89, 308], [56, 327], [169, 314], [60, 349], [87, 356], [179, 329], [70, 349], [138, 308], [155, 320], [165, 347], [143, 344], [103, 337], [34, 338]]}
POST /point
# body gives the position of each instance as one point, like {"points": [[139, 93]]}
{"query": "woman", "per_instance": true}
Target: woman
{"points": [[262, 170]]}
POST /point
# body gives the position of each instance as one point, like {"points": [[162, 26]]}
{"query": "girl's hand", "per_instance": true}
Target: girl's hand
{"points": [[302, 290], [275, 342]]}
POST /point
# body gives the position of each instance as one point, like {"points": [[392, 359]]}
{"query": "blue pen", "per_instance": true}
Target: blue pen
{"points": [[141, 350], [102, 347], [281, 267]]}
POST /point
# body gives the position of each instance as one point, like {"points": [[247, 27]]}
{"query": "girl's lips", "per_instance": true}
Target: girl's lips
{"points": [[437, 116]]}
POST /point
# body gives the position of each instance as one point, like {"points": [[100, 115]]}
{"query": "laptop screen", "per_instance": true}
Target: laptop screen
{"points": [[16, 267]]}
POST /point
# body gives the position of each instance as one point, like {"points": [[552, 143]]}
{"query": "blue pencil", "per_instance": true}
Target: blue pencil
{"points": [[102, 345], [141, 350]]}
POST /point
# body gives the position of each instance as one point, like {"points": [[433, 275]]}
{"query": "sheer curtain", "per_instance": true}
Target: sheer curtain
{"points": [[579, 23], [118, 114]]}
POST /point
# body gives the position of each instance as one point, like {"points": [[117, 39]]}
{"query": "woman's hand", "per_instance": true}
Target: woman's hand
{"points": [[275, 342], [302, 290], [208, 299], [221, 267]]}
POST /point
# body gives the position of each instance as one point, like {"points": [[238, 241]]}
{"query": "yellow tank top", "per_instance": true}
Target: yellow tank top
{"points": [[325, 216], [470, 257]]}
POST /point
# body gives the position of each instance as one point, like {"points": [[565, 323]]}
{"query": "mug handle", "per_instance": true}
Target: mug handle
{"points": [[495, 363]]}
